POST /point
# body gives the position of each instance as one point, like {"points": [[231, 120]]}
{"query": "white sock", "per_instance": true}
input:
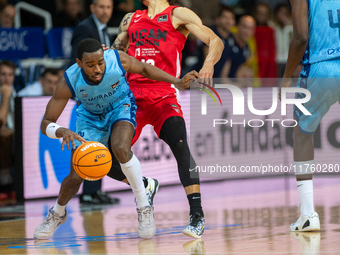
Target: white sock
{"points": [[305, 189], [133, 172], [59, 209]]}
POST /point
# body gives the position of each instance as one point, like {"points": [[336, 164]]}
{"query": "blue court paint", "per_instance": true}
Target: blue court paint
{"points": [[69, 243]]}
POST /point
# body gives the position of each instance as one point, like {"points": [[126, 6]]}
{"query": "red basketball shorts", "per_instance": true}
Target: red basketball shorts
{"points": [[155, 105]]}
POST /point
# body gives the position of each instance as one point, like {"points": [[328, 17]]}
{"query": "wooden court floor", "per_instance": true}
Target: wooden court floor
{"points": [[242, 217]]}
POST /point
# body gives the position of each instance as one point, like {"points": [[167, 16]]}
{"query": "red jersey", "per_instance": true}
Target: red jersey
{"points": [[156, 42]]}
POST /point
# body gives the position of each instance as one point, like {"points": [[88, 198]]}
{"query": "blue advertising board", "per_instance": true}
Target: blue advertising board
{"points": [[21, 43]]}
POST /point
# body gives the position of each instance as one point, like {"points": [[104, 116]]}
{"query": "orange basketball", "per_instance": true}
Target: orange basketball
{"points": [[92, 161]]}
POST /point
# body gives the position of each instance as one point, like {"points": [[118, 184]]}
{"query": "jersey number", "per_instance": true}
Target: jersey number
{"points": [[149, 61], [331, 21]]}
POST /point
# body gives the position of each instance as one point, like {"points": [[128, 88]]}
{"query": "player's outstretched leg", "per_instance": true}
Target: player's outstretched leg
{"points": [[173, 132], [303, 163], [57, 215]]}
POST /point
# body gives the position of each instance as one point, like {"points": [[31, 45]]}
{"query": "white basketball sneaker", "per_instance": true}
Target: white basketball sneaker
{"points": [[147, 226], [306, 223], [46, 229], [151, 189]]}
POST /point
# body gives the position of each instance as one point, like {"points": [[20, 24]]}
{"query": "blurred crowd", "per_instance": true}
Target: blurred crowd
{"points": [[256, 36]]}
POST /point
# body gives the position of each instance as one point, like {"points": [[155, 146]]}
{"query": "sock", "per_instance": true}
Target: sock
{"points": [[59, 209], [305, 189], [146, 183], [133, 172], [195, 203]]}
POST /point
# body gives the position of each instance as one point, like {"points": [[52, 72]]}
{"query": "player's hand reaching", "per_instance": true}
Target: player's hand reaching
{"points": [[105, 47], [286, 83], [207, 72], [185, 81], [68, 137]]}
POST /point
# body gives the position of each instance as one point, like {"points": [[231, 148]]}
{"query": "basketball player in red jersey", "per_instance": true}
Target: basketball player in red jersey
{"points": [[157, 36]]}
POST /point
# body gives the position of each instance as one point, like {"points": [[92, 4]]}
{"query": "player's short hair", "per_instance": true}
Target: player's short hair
{"points": [[87, 45], [7, 63]]}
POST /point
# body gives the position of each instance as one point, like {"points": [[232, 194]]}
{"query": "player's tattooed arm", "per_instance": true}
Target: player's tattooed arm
{"points": [[122, 40]]}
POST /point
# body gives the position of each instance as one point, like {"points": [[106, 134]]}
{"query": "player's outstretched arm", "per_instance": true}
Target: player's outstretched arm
{"points": [[122, 40], [299, 41], [187, 18], [54, 109], [132, 65]]}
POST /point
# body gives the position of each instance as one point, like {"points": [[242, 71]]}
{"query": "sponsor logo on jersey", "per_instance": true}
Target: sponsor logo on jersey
{"points": [[114, 85], [148, 37], [136, 20], [84, 95], [126, 105], [163, 18]]}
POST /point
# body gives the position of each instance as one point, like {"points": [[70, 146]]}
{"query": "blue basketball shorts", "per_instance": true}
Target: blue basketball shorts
{"points": [[323, 81], [94, 127]]}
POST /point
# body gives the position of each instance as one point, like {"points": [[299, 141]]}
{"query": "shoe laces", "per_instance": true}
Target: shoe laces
{"points": [[48, 219], [145, 215], [195, 219]]}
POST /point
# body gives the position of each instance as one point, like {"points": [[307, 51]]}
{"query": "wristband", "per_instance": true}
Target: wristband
{"points": [[51, 129]]}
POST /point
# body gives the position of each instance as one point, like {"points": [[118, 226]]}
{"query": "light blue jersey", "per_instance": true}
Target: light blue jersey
{"points": [[321, 72], [103, 104], [105, 96], [324, 31]]}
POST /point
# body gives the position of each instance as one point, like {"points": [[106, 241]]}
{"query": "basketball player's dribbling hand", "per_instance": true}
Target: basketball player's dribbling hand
{"points": [[185, 81], [286, 83], [68, 137]]}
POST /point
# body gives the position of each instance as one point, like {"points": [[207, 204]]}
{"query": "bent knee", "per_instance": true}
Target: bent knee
{"points": [[122, 152]]}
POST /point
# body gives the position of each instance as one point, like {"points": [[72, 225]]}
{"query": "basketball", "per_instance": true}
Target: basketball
{"points": [[92, 161]]}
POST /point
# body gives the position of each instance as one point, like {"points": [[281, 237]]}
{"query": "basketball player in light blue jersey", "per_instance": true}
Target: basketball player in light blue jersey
{"points": [[106, 114], [316, 42]]}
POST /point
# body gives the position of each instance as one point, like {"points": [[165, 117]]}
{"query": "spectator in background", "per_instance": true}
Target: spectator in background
{"points": [[122, 7], [93, 27], [7, 15], [7, 94], [2, 4], [239, 49], [70, 14], [208, 11], [224, 22], [46, 85], [283, 35], [265, 42]]}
